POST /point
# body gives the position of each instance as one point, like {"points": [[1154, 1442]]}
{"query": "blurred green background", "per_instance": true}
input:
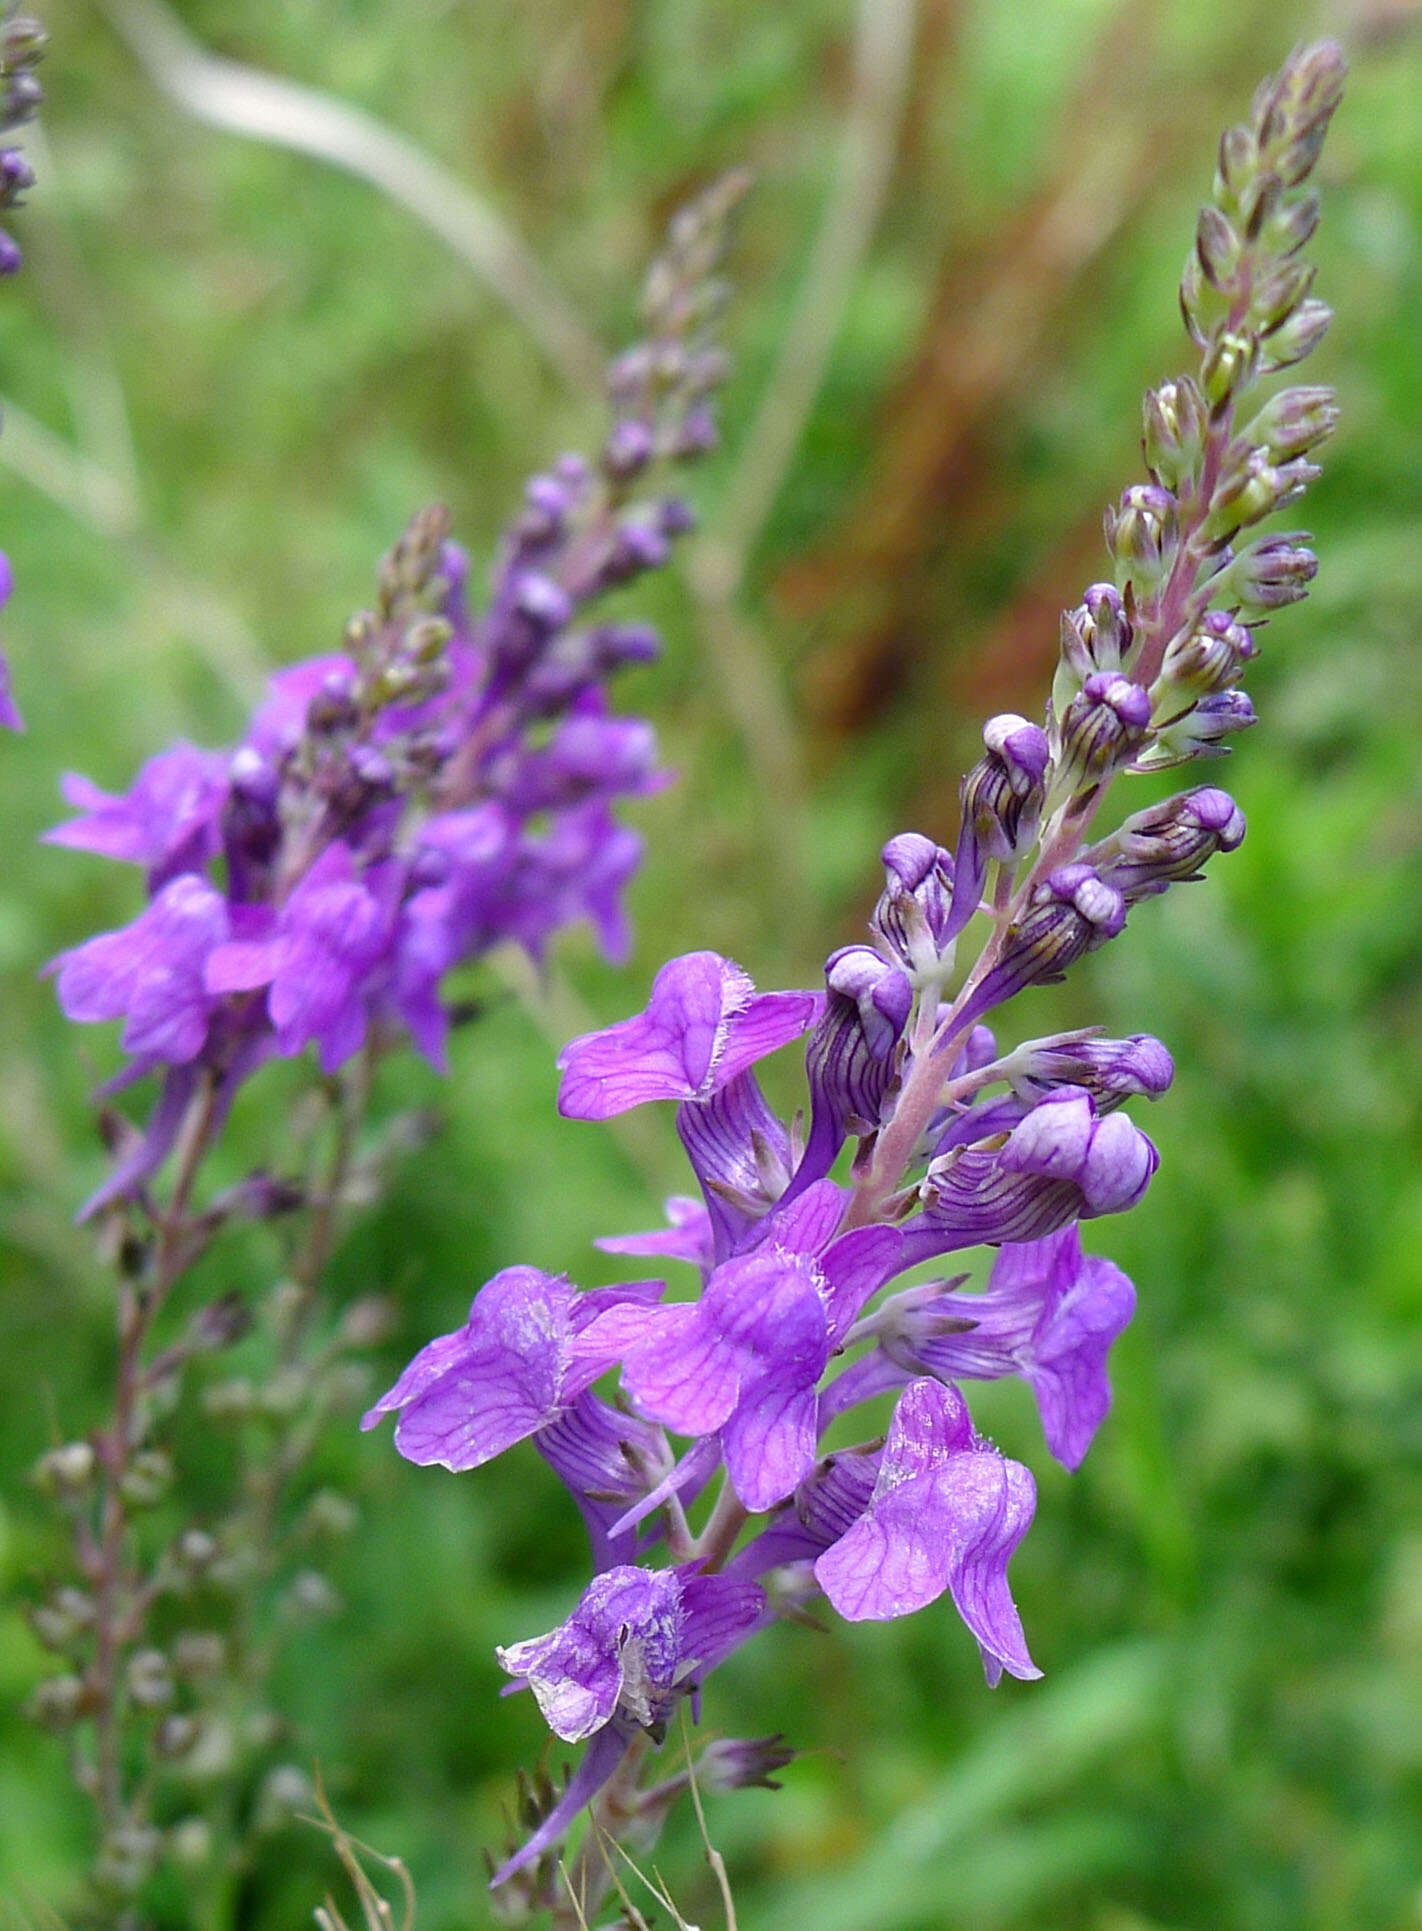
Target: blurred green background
{"points": [[230, 371]]}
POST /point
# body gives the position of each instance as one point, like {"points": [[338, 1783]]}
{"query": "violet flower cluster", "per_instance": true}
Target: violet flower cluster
{"points": [[446, 781], [800, 1313]]}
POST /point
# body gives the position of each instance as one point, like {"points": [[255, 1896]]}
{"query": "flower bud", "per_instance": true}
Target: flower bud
{"points": [[1199, 732], [67, 1473], [1290, 226], [851, 1054], [1211, 659], [286, 1791], [1173, 431], [1073, 911], [1142, 533], [199, 1653], [1297, 337], [1277, 296], [60, 1621], [1102, 728], [1168, 843], [128, 1858], [1230, 364], [147, 1479], [1110, 1070], [190, 1843], [1295, 421], [175, 1736], [150, 1683], [545, 604], [912, 916], [1217, 247], [736, 1763], [628, 449], [1062, 1138], [59, 1702], [1097, 635], [1254, 487], [1002, 806], [195, 1550], [1271, 572]]}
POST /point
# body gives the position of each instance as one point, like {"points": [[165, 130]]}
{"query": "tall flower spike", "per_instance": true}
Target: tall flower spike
{"points": [[954, 1145]]}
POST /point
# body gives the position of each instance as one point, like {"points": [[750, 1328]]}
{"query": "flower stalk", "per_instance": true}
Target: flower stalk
{"points": [[952, 1142]]}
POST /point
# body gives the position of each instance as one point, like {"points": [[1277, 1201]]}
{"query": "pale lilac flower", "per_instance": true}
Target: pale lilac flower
{"points": [[1049, 1313], [519, 1360], [168, 821], [636, 1636], [703, 1024], [151, 974], [946, 1513]]}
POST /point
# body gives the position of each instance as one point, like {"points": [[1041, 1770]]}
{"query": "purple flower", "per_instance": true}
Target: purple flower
{"points": [[946, 1512], [1050, 1314], [703, 1024], [686, 1237], [740, 1153], [744, 1360], [459, 872], [511, 1370], [316, 954], [151, 974], [609, 1462], [636, 1638], [167, 821]]}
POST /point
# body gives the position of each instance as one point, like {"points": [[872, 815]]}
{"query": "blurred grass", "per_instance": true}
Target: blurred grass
{"points": [[269, 367]]}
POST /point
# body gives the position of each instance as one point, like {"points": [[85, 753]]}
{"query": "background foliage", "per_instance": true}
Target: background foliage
{"points": [[231, 371]]}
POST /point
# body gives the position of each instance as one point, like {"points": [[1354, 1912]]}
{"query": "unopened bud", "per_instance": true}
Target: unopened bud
{"points": [[190, 1842], [1211, 659], [195, 1550], [1199, 732], [733, 1763], [62, 1619], [199, 1653], [1002, 800], [286, 1792], [1168, 843], [627, 450], [150, 1682], [1173, 431], [912, 916], [147, 1479], [1217, 246], [175, 1736], [1229, 366], [59, 1702], [1101, 730], [1294, 421], [1272, 572], [1142, 533], [1298, 337], [1074, 910], [66, 1473]]}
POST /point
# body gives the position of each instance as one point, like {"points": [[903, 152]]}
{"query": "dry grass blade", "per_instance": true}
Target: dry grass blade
{"points": [[377, 1913]]}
